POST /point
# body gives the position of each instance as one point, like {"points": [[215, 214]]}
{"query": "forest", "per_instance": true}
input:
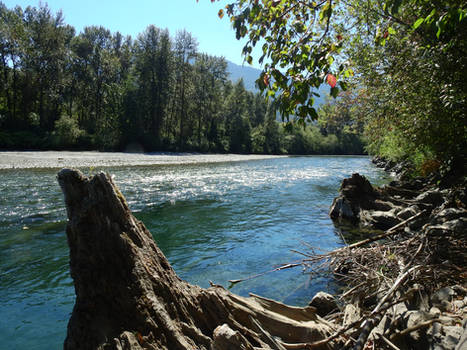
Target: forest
{"points": [[102, 90]]}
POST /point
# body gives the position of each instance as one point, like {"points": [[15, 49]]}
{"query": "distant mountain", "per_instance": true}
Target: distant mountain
{"points": [[250, 75]]}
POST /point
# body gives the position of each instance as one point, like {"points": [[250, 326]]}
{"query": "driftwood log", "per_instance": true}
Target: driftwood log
{"points": [[129, 297]]}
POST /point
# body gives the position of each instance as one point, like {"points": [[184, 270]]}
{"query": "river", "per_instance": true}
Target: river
{"points": [[215, 218]]}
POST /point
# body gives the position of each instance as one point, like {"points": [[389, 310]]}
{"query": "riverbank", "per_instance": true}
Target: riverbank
{"points": [[409, 291], [60, 159]]}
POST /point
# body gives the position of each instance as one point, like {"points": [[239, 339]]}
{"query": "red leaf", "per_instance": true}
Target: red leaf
{"points": [[339, 37], [221, 13], [266, 79], [331, 80]]}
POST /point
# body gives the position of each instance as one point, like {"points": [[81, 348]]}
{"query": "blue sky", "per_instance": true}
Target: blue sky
{"points": [[215, 35]]}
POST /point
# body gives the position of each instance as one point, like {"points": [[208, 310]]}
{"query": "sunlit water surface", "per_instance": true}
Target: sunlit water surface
{"points": [[214, 222]]}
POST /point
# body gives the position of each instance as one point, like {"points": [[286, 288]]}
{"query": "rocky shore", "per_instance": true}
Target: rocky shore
{"points": [[418, 264]]}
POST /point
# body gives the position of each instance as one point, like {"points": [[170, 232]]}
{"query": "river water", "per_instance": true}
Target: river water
{"points": [[214, 220]]}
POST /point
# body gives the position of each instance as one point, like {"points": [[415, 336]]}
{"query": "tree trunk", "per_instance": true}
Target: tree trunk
{"points": [[129, 297]]}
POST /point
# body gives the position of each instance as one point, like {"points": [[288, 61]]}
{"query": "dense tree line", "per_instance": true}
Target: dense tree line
{"points": [[102, 90]]}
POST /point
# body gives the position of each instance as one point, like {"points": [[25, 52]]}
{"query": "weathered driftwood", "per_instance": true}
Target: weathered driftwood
{"points": [[129, 297]]}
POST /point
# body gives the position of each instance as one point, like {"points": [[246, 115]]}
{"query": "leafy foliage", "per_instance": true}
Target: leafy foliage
{"points": [[405, 59]]}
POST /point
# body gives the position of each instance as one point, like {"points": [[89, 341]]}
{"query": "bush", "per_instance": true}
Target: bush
{"points": [[67, 131]]}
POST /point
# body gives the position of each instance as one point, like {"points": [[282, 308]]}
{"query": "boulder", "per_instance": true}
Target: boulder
{"points": [[432, 197], [408, 212], [356, 193], [324, 303], [380, 220]]}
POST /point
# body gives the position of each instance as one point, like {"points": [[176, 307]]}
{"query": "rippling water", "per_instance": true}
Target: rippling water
{"points": [[214, 222]]}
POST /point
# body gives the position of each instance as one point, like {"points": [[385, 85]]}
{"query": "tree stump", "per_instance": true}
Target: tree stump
{"points": [[129, 297]]}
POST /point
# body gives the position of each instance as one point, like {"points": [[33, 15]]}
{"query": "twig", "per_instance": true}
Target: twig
{"points": [[388, 342], [283, 267], [351, 290], [414, 328]]}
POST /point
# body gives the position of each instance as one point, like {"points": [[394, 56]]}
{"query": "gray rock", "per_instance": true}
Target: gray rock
{"points": [[381, 220], [399, 309], [443, 294], [324, 303], [458, 226], [225, 338], [417, 339], [417, 224], [351, 314], [452, 335], [431, 197], [408, 212], [449, 214], [414, 317]]}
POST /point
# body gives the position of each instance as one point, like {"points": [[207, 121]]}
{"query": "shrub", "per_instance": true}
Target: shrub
{"points": [[67, 131]]}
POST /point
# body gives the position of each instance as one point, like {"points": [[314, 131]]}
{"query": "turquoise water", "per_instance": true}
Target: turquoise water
{"points": [[214, 222]]}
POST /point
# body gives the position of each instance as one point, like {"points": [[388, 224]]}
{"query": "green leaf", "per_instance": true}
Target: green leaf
{"points": [[391, 31], [462, 14], [334, 92], [417, 23], [428, 18], [313, 114]]}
